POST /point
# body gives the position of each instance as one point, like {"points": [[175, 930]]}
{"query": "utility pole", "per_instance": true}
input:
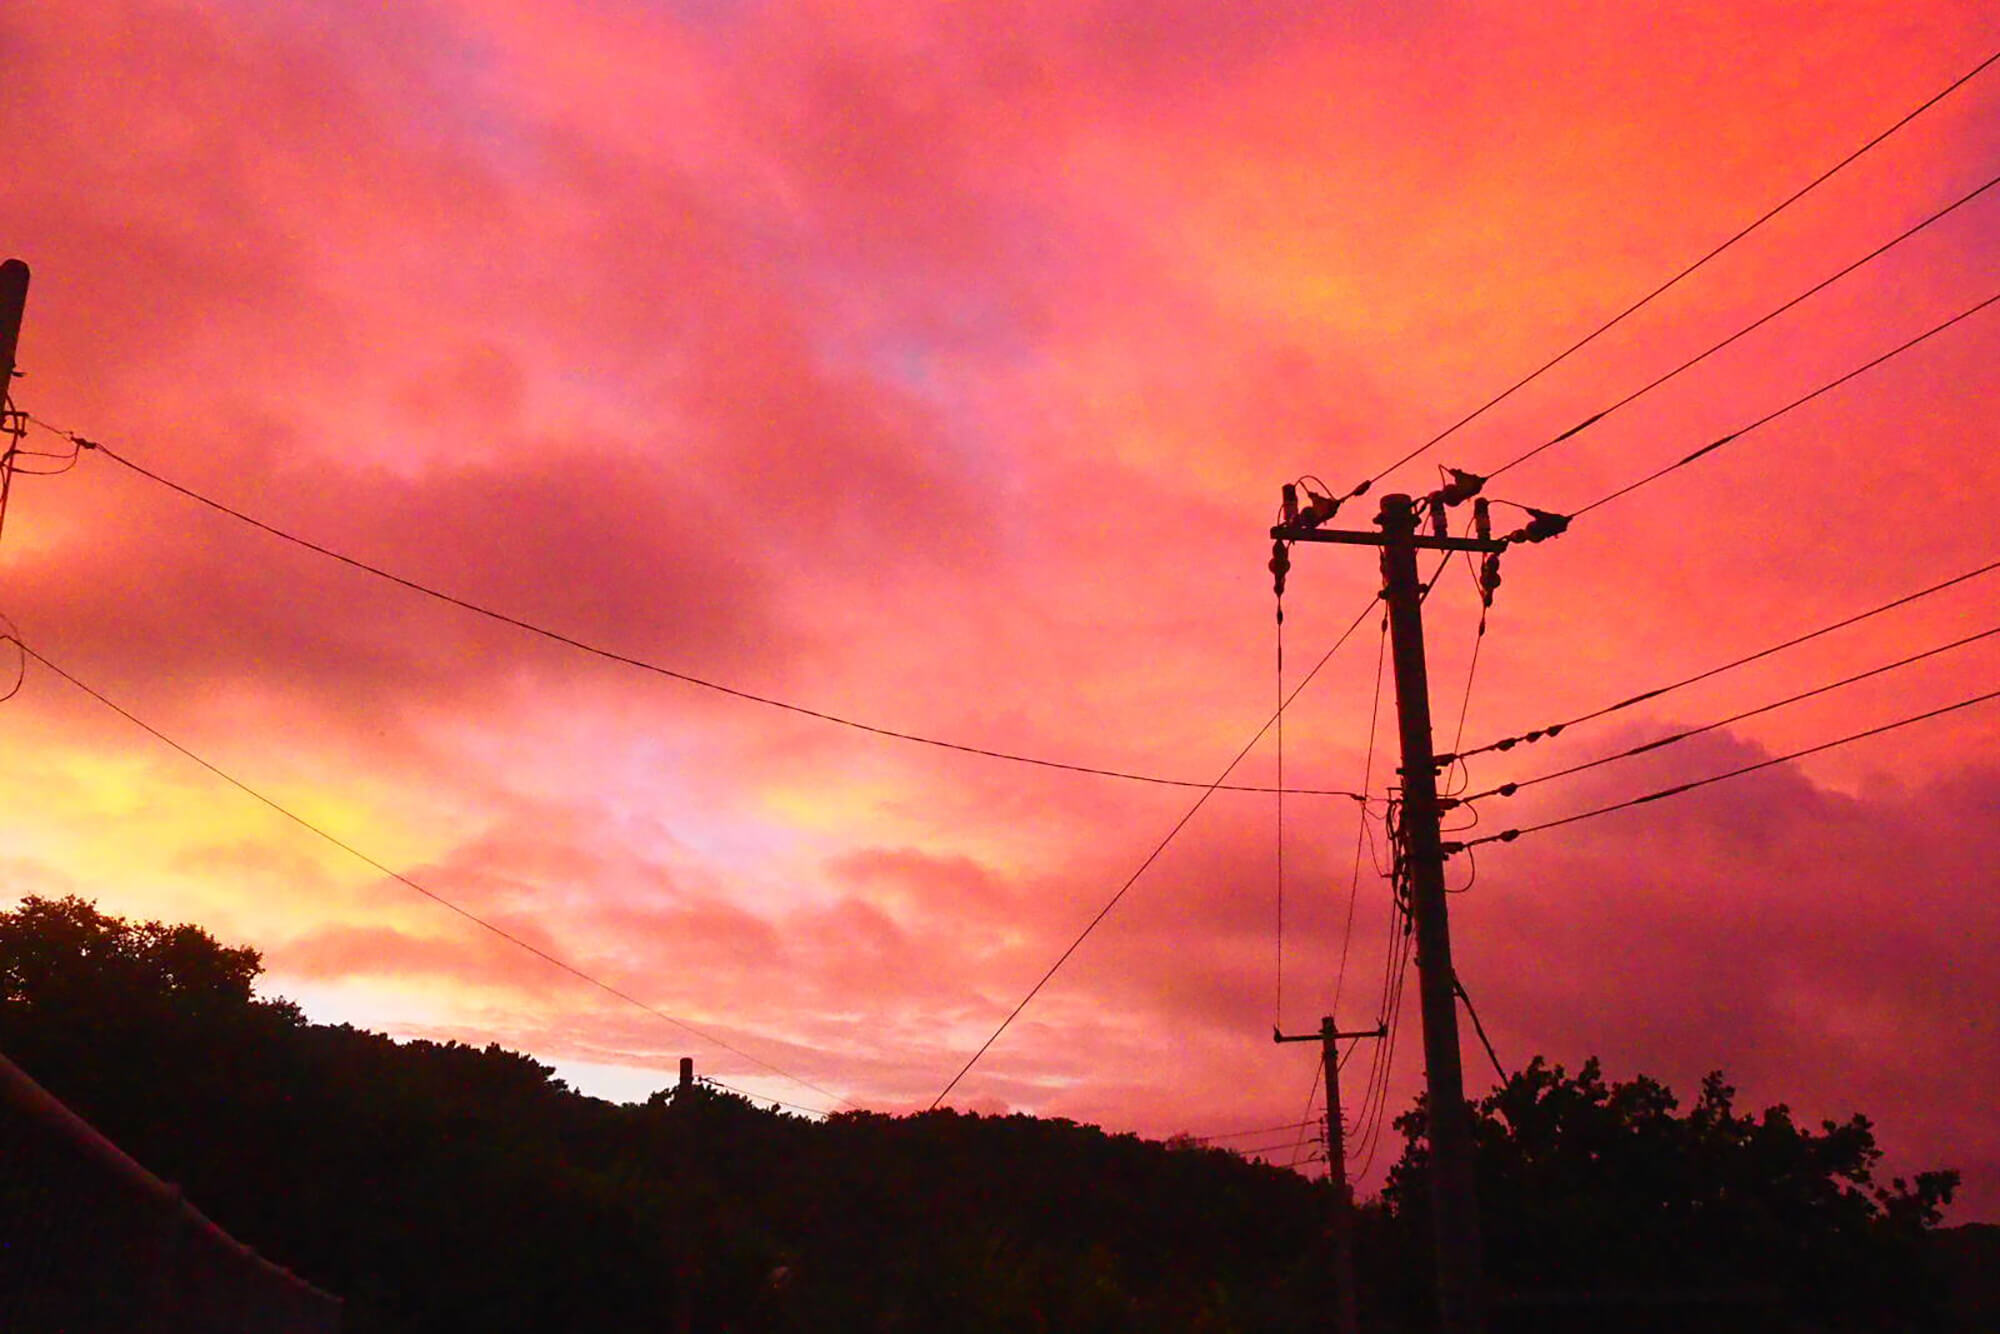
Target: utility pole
{"points": [[683, 1106], [1346, 1310], [13, 306], [1454, 1203]]}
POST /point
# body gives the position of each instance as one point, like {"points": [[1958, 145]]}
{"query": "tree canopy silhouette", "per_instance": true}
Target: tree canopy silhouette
{"points": [[1601, 1195], [441, 1187]]}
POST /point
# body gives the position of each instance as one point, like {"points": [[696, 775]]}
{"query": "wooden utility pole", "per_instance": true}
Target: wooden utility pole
{"points": [[13, 306], [1454, 1203], [1346, 1309], [684, 1110]]}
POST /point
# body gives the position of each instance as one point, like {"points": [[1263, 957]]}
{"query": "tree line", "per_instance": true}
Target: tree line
{"points": [[442, 1187]]}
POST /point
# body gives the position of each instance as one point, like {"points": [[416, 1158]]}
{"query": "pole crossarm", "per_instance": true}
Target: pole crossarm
{"points": [[1380, 1031], [1349, 537]]}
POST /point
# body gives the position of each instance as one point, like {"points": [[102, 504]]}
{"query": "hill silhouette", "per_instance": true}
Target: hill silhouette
{"points": [[442, 1187]]}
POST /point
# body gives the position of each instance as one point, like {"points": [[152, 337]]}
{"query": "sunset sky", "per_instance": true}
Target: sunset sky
{"points": [[937, 365]]}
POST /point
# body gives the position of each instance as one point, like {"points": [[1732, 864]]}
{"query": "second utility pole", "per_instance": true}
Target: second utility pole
{"points": [[1454, 1203], [1347, 1306]]}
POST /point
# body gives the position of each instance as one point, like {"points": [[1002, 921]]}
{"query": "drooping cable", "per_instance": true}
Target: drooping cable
{"points": [[1270, 1151], [1278, 990], [13, 425], [1747, 329], [1248, 1134], [1401, 945], [1471, 675], [659, 669], [384, 868], [1306, 1122], [1361, 823], [10, 635], [1509, 789], [1377, 1117], [1458, 986], [1649, 297], [1556, 729], [1150, 858], [1509, 835], [1385, 1008], [760, 1097]]}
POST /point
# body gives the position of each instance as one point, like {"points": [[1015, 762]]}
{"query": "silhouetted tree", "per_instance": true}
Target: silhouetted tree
{"points": [[1601, 1190]]}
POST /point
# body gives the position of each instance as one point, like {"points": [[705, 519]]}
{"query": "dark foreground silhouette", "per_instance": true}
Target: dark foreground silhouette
{"points": [[438, 1187]]}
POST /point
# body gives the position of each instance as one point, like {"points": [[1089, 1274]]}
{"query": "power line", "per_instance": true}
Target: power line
{"points": [[1509, 789], [1471, 673], [1299, 1145], [1386, 1007], [1556, 729], [1361, 823], [1747, 329], [10, 634], [1370, 1134], [1643, 301], [1508, 836], [1150, 858], [1282, 1146], [1400, 944], [758, 1097], [1458, 986], [13, 426], [1247, 1134], [1801, 401], [406, 881], [1278, 987], [645, 665]]}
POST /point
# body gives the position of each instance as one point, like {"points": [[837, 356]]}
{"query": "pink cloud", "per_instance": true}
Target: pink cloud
{"points": [[937, 367]]}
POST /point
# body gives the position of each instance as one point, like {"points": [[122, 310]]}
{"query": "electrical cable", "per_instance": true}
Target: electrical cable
{"points": [[1752, 327], [1556, 729], [470, 916], [1458, 986], [1278, 991], [1741, 431], [1509, 835], [1472, 874], [758, 1097], [1150, 858], [17, 422], [1361, 825], [1645, 300], [13, 424], [1509, 789], [1299, 1147], [1256, 1150], [1387, 1045], [1395, 965], [658, 669], [1385, 1005], [1246, 1134], [1465, 701], [11, 634]]}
